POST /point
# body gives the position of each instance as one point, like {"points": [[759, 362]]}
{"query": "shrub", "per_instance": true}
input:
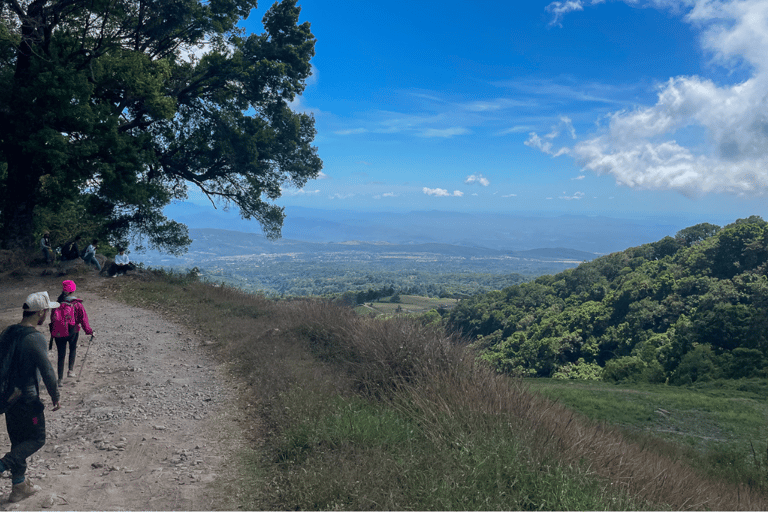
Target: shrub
{"points": [[697, 365], [579, 370], [624, 368]]}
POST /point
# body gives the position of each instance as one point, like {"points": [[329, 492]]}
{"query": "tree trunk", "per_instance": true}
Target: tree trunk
{"points": [[18, 131]]}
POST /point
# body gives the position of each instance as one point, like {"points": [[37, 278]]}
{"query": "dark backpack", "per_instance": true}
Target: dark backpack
{"points": [[9, 342], [63, 320], [69, 251]]}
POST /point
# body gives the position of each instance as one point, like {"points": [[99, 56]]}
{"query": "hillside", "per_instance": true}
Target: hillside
{"points": [[683, 309], [313, 407]]}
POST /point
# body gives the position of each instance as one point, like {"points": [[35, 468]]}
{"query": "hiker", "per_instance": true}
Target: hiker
{"points": [[45, 245], [90, 254], [24, 419], [70, 251], [121, 265], [65, 327]]}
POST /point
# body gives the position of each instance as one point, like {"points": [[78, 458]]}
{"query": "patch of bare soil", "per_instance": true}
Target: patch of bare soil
{"points": [[149, 423]]}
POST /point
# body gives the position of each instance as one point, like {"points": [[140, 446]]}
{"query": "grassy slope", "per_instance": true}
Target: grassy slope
{"points": [[361, 413], [722, 426]]}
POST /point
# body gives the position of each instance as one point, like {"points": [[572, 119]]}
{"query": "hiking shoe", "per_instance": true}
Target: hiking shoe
{"points": [[22, 491], [71, 373]]}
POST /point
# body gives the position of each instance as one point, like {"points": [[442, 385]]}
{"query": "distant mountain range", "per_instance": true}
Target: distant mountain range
{"points": [[500, 231], [217, 245], [324, 252]]}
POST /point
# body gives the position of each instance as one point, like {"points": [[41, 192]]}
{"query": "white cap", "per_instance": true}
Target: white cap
{"points": [[39, 301]]}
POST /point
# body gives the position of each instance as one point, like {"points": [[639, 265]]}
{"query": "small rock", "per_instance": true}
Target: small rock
{"points": [[49, 501]]}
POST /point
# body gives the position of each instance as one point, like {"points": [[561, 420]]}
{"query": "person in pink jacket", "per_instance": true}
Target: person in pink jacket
{"points": [[80, 317]]}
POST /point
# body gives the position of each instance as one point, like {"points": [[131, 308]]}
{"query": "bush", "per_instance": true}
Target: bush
{"points": [[624, 368], [700, 364], [580, 370]]}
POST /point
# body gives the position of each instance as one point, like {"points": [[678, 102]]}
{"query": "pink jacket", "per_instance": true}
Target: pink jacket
{"points": [[81, 317]]}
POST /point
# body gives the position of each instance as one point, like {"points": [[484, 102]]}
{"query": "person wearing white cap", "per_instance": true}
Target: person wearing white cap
{"points": [[24, 419]]}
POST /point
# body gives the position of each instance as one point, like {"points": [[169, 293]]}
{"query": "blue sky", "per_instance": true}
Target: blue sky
{"points": [[620, 108]]}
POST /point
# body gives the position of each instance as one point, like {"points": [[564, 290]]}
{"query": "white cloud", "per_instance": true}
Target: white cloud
{"points": [[510, 195], [560, 9], [579, 177], [444, 132], [352, 131], [545, 145], [385, 194], [291, 192], [441, 192], [642, 147], [341, 196], [576, 196], [477, 178]]}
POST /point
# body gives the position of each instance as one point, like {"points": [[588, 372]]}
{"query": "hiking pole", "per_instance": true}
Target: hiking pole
{"points": [[86, 355]]}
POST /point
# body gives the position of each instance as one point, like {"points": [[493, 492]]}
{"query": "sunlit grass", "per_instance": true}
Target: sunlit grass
{"points": [[372, 413], [725, 427]]}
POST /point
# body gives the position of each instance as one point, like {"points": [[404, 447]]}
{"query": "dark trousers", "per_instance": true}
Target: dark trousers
{"points": [[115, 269], [61, 349], [26, 430]]}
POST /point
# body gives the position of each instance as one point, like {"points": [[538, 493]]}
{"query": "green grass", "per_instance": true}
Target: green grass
{"points": [[359, 455], [409, 304], [724, 424]]}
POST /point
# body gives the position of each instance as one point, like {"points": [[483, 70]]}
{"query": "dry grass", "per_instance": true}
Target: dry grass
{"points": [[572, 439], [309, 349]]}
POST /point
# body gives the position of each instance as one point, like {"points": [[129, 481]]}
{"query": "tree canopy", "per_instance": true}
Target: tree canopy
{"points": [[683, 309], [112, 109]]}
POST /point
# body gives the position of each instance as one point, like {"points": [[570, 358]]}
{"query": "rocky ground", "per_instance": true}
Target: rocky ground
{"points": [[148, 423]]}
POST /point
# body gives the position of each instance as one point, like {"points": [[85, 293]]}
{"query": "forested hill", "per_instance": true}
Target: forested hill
{"points": [[687, 308]]}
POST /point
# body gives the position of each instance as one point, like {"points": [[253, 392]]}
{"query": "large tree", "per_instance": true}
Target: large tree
{"points": [[112, 109]]}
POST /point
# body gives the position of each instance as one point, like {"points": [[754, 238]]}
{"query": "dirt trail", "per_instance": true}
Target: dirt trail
{"points": [[149, 423]]}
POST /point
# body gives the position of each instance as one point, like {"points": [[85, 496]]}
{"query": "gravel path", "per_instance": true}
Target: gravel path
{"points": [[148, 423]]}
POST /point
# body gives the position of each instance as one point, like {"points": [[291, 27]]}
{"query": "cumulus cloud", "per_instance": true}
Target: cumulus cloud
{"points": [[441, 192], [477, 178], [576, 196], [641, 147]]}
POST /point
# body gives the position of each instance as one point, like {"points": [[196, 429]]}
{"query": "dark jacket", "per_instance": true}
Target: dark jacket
{"points": [[31, 362]]}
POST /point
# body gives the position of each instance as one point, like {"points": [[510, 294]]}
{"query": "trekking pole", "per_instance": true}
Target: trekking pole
{"points": [[86, 355]]}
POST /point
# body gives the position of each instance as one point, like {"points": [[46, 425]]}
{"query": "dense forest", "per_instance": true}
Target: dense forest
{"points": [[687, 308]]}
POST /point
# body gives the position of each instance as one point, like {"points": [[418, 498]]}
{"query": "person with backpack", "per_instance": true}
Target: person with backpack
{"points": [[65, 327], [23, 360], [70, 251]]}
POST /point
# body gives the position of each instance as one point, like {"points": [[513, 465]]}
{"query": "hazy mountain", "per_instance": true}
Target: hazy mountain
{"points": [[211, 245], [509, 232]]}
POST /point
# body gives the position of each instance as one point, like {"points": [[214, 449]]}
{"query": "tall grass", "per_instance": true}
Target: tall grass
{"points": [[364, 413]]}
